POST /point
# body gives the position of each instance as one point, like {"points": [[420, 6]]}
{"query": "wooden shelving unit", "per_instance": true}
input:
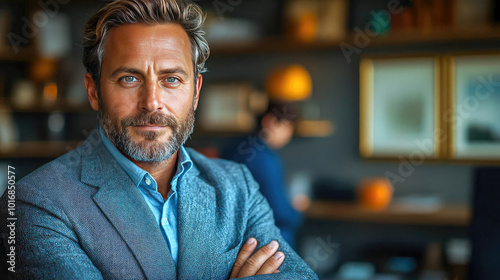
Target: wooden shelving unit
{"points": [[317, 128], [447, 215]]}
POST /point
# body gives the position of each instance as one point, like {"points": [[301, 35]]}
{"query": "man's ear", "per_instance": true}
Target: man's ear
{"points": [[199, 82], [91, 87]]}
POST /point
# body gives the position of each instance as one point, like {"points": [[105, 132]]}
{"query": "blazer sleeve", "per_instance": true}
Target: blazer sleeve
{"points": [[261, 226], [46, 246]]}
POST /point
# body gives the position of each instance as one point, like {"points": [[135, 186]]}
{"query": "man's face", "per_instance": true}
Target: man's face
{"points": [[146, 102]]}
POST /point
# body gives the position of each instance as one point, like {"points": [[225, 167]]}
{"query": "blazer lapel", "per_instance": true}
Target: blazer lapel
{"points": [[122, 203], [195, 226]]}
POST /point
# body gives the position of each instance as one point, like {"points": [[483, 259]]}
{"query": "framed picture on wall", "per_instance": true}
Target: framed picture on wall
{"points": [[400, 107], [474, 114]]}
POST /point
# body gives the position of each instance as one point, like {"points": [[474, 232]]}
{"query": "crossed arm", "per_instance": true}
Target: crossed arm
{"points": [[269, 259], [265, 260]]}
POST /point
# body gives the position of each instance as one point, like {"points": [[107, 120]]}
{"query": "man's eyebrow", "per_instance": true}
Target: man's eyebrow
{"points": [[177, 70], [120, 70]]}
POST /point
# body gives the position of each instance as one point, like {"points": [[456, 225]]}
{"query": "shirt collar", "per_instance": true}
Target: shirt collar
{"points": [[184, 164], [137, 174]]}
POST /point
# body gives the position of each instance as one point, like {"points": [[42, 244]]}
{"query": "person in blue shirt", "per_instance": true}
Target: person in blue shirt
{"points": [[259, 153]]}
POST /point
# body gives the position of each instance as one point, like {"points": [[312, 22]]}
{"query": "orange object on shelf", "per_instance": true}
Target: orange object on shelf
{"points": [[290, 83], [375, 193], [43, 69], [304, 28], [50, 92]]}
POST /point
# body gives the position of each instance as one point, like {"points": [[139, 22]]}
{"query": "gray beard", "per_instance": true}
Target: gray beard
{"points": [[147, 150]]}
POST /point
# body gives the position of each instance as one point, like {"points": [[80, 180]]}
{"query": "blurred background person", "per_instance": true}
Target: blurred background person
{"points": [[259, 153]]}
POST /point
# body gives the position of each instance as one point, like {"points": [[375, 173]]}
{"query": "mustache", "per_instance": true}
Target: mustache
{"points": [[155, 118]]}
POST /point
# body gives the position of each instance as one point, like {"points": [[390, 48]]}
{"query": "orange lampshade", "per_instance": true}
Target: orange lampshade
{"points": [[289, 83]]}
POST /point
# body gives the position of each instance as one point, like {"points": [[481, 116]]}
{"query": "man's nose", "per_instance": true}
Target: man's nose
{"points": [[151, 97]]}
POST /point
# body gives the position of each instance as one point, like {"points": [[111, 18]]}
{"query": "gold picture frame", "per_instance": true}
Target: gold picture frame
{"points": [[473, 101], [400, 107]]}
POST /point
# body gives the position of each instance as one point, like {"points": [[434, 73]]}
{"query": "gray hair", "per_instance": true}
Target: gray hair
{"points": [[187, 14]]}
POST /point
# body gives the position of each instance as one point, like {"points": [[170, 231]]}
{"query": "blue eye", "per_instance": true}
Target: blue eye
{"points": [[129, 79], [172, 80]]}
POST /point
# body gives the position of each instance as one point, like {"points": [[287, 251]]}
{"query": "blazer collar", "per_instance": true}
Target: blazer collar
{"points": [[122, 203]]}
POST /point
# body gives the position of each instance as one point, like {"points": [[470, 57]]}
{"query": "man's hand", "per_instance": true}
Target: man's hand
{"points": [[265, 261]]}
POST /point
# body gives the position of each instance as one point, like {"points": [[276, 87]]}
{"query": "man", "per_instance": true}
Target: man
{"points": [[132, 202]]}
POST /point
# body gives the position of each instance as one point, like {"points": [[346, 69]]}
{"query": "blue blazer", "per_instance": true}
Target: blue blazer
{"points": [[81, 217]]}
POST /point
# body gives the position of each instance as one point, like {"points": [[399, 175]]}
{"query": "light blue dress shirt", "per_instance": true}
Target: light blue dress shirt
{"points": [[165, 212]]}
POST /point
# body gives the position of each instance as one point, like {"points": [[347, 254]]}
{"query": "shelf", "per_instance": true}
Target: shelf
{"points": [[24, 54], [62, 105], [313, 128], [303, 128], [448, 215], [268, 45], [396, 38], [38, 149], [438, 35]]}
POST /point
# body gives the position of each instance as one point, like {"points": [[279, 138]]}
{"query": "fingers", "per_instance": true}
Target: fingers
{"points": [[264, 261], [272, 264], [245, 252]]}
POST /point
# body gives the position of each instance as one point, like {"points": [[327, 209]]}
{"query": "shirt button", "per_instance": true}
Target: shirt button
{"points": [[148, 182]]}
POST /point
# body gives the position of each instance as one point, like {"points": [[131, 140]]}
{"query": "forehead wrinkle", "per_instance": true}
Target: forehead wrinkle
{"points": [[156, 42], [155, 47]]}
